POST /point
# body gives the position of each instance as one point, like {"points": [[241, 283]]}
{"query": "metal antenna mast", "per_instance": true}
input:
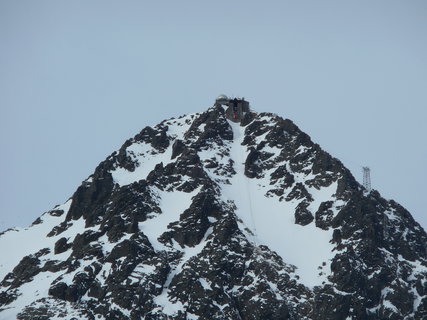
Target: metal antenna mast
{"points": [[367, 178]]}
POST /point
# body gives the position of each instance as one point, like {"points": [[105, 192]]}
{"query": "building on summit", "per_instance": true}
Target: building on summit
{"points": [[237, 108]]}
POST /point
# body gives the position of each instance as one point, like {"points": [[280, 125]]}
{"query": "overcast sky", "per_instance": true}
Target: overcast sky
{"points": [[78, 78]]}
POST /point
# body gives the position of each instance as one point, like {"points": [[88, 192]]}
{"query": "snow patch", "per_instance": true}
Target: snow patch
{"points": [[146, 159], [172, 205], [26, 241]]}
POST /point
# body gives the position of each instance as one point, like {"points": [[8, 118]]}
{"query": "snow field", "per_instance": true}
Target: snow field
{"points": [[146, 158]]}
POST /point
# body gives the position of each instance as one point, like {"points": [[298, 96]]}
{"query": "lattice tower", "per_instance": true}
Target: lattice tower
{"points": [[367, 178]]}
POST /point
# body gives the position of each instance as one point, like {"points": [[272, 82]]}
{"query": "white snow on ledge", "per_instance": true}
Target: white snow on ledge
{"points": [[146, 157], [143, 155]]}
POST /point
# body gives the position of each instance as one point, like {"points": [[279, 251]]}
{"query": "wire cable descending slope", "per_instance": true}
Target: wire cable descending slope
{"points": [[248, 195], [237, 152]]}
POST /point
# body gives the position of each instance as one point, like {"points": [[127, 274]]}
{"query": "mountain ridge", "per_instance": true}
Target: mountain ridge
{"points": [[201, 217]]}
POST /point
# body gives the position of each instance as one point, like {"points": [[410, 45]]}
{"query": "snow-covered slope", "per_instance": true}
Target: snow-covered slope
{"points": [[203, 218], [271, 222]]}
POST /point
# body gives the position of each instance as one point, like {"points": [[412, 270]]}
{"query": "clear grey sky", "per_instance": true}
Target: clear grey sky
{"points": [[77, 78]]}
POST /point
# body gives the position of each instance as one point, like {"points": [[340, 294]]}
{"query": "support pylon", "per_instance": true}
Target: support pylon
{"points": [[367, 178]]}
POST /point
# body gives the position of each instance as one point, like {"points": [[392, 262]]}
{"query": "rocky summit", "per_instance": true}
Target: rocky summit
{"points": [[206, 216]]}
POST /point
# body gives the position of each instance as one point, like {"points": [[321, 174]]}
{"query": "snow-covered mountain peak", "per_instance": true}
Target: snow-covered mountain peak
{"points": [[224, 214]]}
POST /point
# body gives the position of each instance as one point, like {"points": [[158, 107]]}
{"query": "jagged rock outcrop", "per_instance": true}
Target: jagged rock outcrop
{"points": [[203, 218]]}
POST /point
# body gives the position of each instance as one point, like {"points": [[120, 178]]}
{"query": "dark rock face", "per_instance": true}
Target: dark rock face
{"points": [[24, 271], [299, 192], [324, 215], [61, 246], [177, 148], [89, 200], [302, 215], [156, 233]]}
